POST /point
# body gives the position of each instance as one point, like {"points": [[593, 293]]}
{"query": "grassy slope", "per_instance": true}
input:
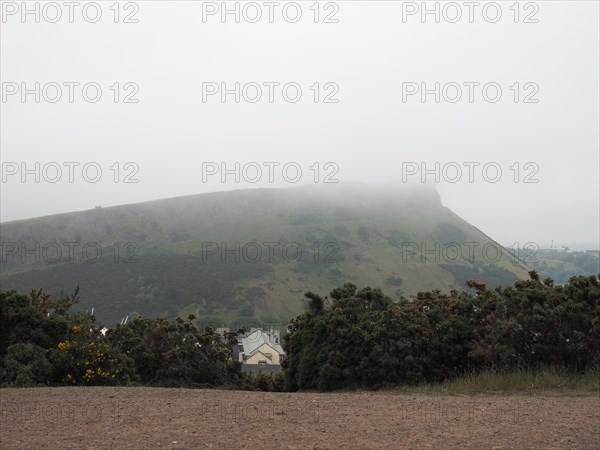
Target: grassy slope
{"points": [[368, 226]]}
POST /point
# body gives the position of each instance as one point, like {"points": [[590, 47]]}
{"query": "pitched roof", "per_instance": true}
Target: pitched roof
{"points": [[257, 338], [259, 352]]}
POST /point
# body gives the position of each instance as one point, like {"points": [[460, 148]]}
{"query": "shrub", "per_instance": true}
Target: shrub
{"points": [[27, 365]]}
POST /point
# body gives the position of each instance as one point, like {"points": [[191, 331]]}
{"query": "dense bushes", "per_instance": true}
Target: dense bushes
{"points": [[176, 353], [360, 338], [42, 343], [354, 338], [27, 365], [87, 357]]}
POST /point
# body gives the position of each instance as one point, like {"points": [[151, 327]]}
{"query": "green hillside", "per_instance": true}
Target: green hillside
{"points": [[562, 266], [179, 256]]}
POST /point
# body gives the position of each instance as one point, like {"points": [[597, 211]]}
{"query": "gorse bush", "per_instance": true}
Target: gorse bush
{"points": [[87, 357], [361, 338], [42, 343], [27, 365], [267, 382], [354, 338], [176, 353]]}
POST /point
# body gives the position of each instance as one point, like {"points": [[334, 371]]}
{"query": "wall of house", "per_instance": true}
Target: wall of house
{"points": [[254, 359]]}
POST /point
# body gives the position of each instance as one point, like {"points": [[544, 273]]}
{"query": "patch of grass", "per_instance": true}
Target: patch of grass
{"points": [[542, 381]]}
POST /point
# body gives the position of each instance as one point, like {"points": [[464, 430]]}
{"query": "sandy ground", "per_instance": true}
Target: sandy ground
{"points": [[181, 418]]}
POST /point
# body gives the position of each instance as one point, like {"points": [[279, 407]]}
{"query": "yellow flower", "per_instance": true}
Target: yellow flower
{"points": [[62, 346]]}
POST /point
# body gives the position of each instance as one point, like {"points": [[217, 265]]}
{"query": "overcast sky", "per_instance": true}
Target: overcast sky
{"points": [[373, 57]]}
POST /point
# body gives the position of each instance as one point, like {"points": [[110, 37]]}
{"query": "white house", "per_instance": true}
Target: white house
{"points": [[259, 351]]}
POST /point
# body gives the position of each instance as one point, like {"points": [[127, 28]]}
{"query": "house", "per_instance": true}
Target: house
{"points": [[555, 249], [259, 351]]}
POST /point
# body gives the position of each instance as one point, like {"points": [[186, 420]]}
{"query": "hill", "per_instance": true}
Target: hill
{"points": [[562, 266], [248, 256]]}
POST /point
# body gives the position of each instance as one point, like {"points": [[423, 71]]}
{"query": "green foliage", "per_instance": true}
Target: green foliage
{"points": [[35, 319], [266, 382], [27, 365], [87, 357], [315, 302], [393, 281], [562, 266], [354, 338], [491, 274], [446, 233], [155, 285], [363, 339], [176, 353], [43, 343]]}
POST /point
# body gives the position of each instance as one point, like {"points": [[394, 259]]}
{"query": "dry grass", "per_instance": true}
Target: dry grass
{"points": [[545, 381]]}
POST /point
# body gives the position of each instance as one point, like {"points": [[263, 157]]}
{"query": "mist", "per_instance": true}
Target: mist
{"points": [[501, 115]]}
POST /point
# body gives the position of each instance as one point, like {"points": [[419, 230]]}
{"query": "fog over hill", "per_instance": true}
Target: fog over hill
{"points": [[249, 255]]}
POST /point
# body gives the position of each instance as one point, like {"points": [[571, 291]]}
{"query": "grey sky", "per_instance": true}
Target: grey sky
{"points": [[368, 134]]}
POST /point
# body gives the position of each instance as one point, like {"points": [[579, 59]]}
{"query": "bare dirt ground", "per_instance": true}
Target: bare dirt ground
{"points": [[106, 418]]}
